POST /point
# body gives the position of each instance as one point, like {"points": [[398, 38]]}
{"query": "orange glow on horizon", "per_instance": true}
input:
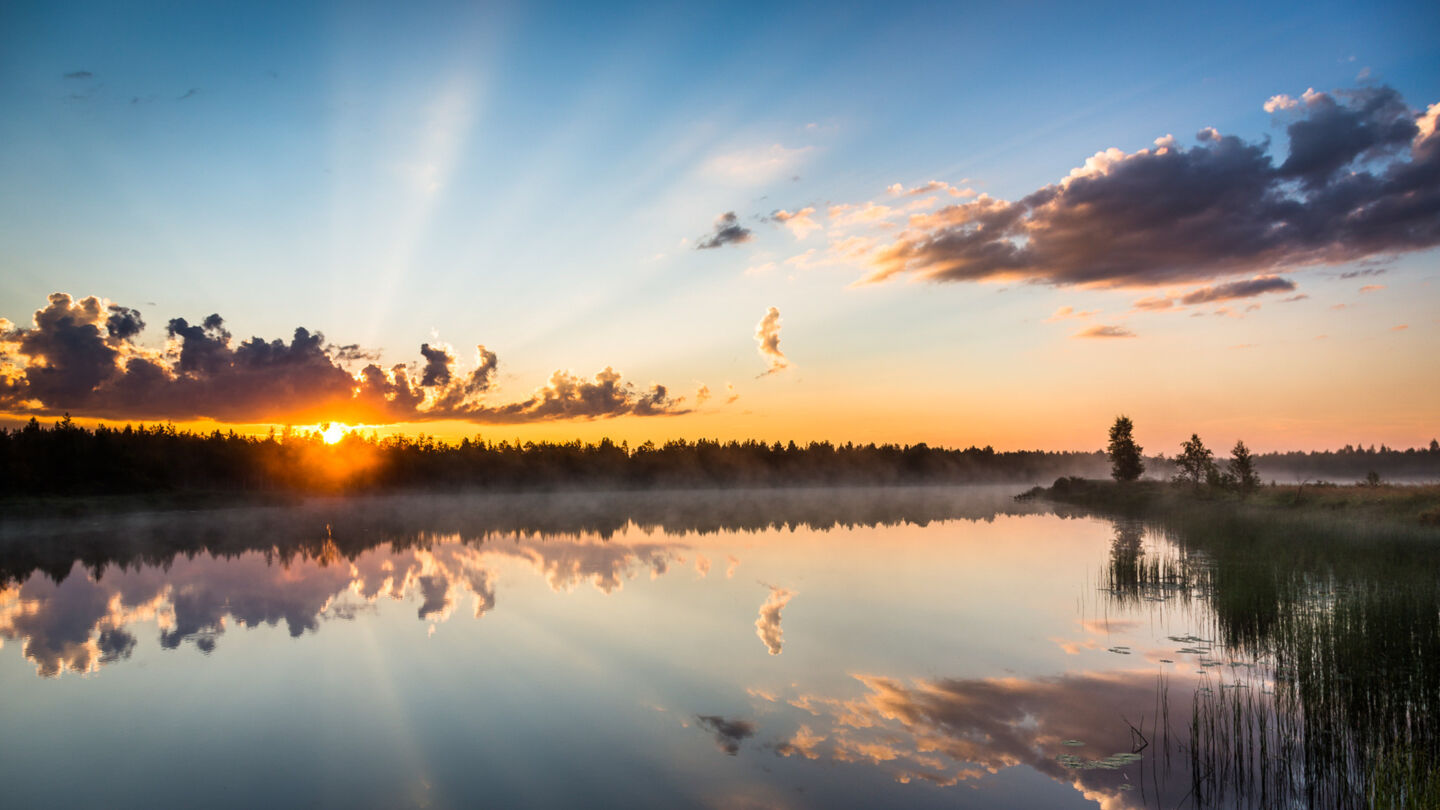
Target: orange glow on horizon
{"points": [[334, 431]]}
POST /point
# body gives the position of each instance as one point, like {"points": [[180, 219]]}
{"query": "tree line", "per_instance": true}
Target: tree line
{"points": [[66, 459]]}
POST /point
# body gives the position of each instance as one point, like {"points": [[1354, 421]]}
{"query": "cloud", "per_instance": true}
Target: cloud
{"points": [[1369, 288], [1400, 327], [799, 222], [1359, 180], [1104, 331], [728, 733], [1238, 289], [899, 190], [850, 215], [767, 627], [79, 74], [702, 395], [804, 742], [731, 394], [1156, 303], [1066, 313], [81, 356], [767, 338], [728, 231], [1362, 273], [568, 396]]}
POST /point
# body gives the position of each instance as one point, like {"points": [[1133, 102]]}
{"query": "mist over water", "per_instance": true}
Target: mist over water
{"points": [[931, 646]]}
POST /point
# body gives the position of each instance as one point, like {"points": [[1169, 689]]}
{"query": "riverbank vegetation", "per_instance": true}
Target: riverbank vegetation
{"points": [[1200, 483]]}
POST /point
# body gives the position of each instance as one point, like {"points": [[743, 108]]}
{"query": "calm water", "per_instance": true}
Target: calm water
{"points": [[944, 647]]}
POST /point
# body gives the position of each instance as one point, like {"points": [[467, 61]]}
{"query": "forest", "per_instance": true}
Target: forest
{"points": [[66, 459]]}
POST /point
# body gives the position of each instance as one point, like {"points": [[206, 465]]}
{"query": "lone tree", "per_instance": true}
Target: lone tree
{"points": [[1196, 462], [1126, 463], [1242, 469]]}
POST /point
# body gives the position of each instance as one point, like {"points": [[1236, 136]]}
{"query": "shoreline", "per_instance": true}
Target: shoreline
{"points": [[1383, 506]]}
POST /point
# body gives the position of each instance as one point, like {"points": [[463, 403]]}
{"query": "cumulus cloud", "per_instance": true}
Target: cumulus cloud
{"points": [[1361, 178], [81, 356], [798, 222], [767, 627], [728, 733], [1104, 331], [728, 231], [767, 339]]}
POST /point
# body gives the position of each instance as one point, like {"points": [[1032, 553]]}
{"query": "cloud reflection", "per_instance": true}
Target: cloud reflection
{"points": [[82, 621], [947, 731]]}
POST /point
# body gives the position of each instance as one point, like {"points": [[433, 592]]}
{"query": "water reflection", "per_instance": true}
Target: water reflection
{"points": [[933, 641], [79, 622], [1075, 728]]}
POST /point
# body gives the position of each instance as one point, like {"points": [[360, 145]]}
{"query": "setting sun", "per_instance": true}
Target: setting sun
{"points": [[334, 432]]}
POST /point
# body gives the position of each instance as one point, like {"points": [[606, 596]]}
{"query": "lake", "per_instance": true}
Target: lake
{"points": [[812, 648]]}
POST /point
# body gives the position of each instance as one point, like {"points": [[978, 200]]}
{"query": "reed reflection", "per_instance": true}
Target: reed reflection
{"points": [[1346, 631]]}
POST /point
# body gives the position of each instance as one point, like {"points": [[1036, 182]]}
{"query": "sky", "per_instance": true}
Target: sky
{"points": [[996, 224]]}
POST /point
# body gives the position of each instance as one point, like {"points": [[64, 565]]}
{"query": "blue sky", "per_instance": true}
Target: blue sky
{"points": [[536, 178]]}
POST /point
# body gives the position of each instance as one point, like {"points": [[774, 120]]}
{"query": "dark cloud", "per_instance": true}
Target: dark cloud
{"points": [[1338, 129], [80, 74], [69, 356], [1365, 272], [728, 231], [191, 93], [728, 733], [352, 352], [437, 366], [568, 396], [124, 323], [81, 356], [1362, 178], [1238, 289]]}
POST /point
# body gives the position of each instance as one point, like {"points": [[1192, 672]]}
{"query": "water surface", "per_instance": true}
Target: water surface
{"points": [[925, 647]]}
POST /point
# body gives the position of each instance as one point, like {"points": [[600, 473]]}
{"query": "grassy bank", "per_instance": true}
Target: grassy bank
{"points": [[1382, 506]]}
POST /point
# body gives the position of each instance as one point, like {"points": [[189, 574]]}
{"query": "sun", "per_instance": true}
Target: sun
{"points": [[334, 432]]}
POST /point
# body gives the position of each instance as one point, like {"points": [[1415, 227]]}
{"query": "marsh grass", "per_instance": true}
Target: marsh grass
{"points": [[1343, 708]]}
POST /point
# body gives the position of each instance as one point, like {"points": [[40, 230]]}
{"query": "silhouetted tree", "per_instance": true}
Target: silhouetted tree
{"points": [[1126, 463], [1195, 461], [1242, 469]]}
